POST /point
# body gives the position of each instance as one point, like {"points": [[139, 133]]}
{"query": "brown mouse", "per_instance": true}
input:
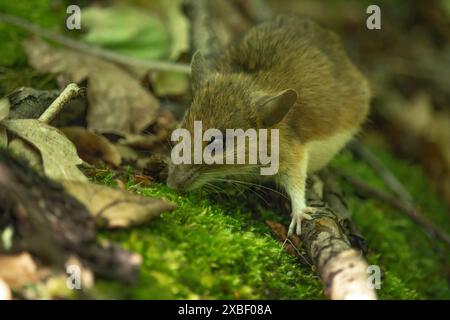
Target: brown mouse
{"points": [[288, 74]]}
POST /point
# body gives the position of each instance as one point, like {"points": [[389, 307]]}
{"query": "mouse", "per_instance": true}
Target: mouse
{"points": [[289, 74]]}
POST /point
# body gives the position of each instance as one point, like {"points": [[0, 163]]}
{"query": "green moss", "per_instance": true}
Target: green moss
{"points": [[217, 247], [203, 251]]}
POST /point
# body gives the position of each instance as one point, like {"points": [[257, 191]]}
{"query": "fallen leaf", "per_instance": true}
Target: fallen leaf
{"points": [[20, 269], [27, 151], [59, 155], [91, 147], [280, 233], [117, 101], [115, 208]]}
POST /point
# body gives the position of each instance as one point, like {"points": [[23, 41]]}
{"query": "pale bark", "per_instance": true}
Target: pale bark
{"points": [[328, 239]]}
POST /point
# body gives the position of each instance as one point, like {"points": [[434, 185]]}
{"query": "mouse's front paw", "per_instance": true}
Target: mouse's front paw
{"points": [[297, 218]]}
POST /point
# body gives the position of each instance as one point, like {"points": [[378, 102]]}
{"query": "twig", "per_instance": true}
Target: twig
{"points": [[414, 213], [70, 92], [381, 170], [342, 269], [93, 50]]}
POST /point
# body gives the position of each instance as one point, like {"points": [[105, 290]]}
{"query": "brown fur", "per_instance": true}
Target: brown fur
{"points": [[286, 53]]}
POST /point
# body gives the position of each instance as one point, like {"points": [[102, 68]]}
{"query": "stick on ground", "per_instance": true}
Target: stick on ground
{"points": [[381, 170], [410, 210], [70, 92], [342, 269]]}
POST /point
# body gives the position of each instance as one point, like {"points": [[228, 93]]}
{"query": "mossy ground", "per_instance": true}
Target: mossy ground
{"points": [[219, 246], [212, 249]]}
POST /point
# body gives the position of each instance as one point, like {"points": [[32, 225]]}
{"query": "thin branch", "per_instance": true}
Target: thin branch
{"points": [[411, 211], [70, 92], [342, 269], [381, 170], [93, 50]]}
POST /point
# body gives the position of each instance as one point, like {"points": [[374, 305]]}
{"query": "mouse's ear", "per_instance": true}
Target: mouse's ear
{"points": [[199, 69], [272, 109]]}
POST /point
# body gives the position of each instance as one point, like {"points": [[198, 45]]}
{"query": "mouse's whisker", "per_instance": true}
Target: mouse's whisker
{"points": [[258, 186], [244, 186]]}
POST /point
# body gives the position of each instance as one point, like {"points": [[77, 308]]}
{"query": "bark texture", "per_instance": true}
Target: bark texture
{"points": [[330, 239]]}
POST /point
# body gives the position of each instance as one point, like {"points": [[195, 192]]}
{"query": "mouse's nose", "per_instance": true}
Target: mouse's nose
{"points": [[172, 183]]}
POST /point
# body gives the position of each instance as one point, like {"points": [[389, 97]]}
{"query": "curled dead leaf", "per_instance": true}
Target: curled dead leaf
{"points": [[91, 147], [280, 233], [20, 269], [115, 208], [117, 101]]}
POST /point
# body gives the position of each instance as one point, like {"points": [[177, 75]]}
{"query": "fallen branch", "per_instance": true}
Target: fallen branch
{"points": [[342, 269], [93, 50], [70, 92], [380, 169], [410, 210]]}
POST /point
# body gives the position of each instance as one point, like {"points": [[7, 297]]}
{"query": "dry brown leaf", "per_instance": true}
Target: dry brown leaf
{"points": [[117, 101], [20, 269], [91, 147], [280, 233], [114, 208], [59, 155]]}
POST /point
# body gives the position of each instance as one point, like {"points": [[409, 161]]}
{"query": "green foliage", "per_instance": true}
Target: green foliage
{"points": [[12, 56], [37, 11], [146, 36]]}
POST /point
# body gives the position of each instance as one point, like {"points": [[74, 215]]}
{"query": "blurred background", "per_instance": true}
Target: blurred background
{"points": [[407, 62]]}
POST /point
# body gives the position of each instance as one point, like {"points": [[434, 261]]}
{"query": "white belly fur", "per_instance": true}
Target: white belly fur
{"points": [[320, 152]]}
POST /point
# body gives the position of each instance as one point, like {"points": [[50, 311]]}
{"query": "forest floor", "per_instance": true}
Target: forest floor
{"points": [[219, 246]]}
